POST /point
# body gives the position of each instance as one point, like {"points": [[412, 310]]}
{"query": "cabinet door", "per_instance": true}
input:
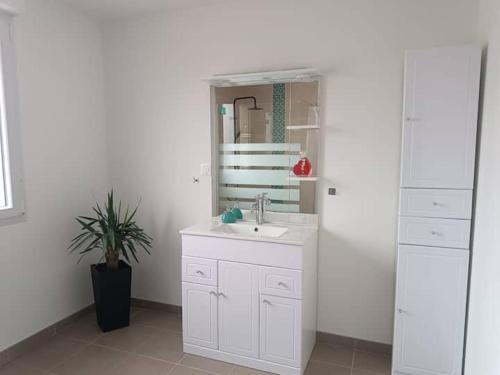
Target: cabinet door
{"points": [[239, 308], [280, 330], [431, 295], [440, 117], [199, 315]]}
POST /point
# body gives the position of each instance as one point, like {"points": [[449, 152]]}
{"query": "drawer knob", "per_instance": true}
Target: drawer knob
{"points": [[200, 273], [282, 284]]}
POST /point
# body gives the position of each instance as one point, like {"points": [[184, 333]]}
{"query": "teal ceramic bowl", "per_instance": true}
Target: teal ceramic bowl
{"points": [[237, 213], [228, 217]]}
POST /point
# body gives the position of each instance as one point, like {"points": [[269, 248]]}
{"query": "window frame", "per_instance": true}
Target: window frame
{"points": [[10, 126]]}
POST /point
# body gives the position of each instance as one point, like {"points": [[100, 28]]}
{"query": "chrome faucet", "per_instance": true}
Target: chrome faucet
{"points": [[261, 201]]}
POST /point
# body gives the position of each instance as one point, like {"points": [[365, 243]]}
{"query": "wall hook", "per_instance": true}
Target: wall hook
{"points": [[195, 180]]}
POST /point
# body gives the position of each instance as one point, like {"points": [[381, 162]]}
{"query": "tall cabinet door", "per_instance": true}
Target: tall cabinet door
{"points": [[430, 310], [239, 308], [440, 117], [199, 315]]}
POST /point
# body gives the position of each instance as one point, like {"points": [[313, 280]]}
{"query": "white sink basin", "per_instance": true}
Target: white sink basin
{"points": [[250, 230]]}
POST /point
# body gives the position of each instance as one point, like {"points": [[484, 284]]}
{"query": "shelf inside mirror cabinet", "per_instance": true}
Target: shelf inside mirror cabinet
{"points": [[302, 127], [298, 178]]}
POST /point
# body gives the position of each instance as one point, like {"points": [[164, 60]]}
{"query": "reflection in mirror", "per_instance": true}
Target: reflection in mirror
{"points": [[266, 141]]}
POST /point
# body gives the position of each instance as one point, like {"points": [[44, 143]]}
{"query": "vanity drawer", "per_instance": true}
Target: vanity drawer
{"points": [[199, 270], [434, 232], [453, 204], [280, 282]]}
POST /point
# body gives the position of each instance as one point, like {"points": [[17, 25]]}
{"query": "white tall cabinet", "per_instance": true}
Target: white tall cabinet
{"points": [[437, 180]]}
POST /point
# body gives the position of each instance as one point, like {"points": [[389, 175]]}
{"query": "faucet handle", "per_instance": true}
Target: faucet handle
{"points": [[266, 199]]}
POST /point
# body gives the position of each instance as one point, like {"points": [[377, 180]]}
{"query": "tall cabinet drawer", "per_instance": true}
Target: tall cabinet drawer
{"points": [[199, 271], [434, 232], [452, 204]]}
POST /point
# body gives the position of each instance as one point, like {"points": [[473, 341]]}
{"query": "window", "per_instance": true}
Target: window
{"points": [[11, 189]]}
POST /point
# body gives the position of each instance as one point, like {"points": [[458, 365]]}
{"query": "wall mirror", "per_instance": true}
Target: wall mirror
{"points": [[265, 140]]}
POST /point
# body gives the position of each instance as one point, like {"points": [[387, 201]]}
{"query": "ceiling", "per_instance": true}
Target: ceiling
{"points": [[113, 9]]}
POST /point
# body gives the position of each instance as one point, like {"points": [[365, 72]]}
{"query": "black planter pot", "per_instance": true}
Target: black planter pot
{"points": [[112, 295]]}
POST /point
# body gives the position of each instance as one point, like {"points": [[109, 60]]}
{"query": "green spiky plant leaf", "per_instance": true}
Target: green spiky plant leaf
{"points": [[112, 232]]}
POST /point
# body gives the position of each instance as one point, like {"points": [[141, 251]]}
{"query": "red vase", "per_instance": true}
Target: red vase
{"points": [[303, 167]]}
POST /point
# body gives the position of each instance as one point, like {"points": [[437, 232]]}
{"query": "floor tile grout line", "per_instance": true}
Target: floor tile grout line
{"points": [[171, 370], [200, 369], [70, 356], [205, 370], [330, 363], [337, 346], [374, 353], [137, 354], [17, 361], [86, 345], [121, 361], [159, 328]]}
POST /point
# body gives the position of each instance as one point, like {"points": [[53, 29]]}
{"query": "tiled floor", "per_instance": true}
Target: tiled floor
{"points": [[152, 345]]}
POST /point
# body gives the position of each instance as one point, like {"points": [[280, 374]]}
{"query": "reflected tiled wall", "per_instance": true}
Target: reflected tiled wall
{"points": [[279, 113]]}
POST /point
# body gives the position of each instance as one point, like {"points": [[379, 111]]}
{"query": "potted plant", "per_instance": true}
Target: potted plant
{"points": [[118, 237]]}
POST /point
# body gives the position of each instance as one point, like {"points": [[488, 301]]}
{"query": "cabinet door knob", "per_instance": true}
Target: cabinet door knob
{"points": [[221, 295], [435, 203], [401, 311], [200, 272], [213, 293], [267, 302], [282, 284]]}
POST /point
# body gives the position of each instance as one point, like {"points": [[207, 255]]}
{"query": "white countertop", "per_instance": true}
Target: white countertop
{"points": [[300, 228]]}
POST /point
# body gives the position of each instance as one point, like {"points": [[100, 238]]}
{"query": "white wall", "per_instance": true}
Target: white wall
{"points": [[13, 6], [483, 338], [158, 128], [62, 116]]}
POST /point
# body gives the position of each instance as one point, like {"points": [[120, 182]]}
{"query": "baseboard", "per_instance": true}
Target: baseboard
{"points": [[40, 337]]}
